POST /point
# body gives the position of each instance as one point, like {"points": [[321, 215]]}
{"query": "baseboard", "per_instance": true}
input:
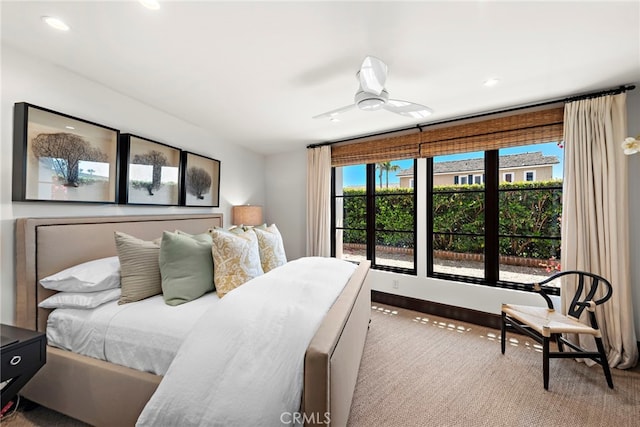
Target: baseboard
{"points": [[451, 312]]}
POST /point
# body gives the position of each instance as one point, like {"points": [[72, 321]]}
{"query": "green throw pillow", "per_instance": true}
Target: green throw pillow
{"points": [[186, 266]]}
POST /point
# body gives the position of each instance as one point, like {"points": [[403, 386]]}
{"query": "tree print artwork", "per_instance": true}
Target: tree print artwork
{"points": [[198, 182], [66, 150], [157, 160]]}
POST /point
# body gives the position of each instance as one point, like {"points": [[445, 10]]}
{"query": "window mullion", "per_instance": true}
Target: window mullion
{"points": [[430, 217], [491, 218], [371, 212], [333, 212]]}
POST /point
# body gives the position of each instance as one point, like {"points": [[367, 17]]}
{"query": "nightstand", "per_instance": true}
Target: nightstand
{"points": [[23, 353]]}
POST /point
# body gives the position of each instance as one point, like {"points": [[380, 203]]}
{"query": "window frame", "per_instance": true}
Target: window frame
{"points": [[491, 230], [371, 220]]}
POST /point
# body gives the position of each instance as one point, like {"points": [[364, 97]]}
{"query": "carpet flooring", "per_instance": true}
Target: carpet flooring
{"points": [[422, 370]]}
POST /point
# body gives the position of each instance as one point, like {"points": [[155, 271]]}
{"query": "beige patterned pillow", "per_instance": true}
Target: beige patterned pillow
{"points": [[139, 268], [271, 247], [236, 259]]}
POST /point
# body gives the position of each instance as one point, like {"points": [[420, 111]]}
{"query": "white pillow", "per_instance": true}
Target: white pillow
{"points": [[80, 299], [92, 276]]}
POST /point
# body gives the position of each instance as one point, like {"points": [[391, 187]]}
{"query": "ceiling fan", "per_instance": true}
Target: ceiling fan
{"points": [[372, 96]]}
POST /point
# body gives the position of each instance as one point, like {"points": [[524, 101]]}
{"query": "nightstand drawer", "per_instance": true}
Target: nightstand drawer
{"points": [[21, 359]]}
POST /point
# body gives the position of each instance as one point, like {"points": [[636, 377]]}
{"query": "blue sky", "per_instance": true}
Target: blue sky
{"points": [[355, 175]]}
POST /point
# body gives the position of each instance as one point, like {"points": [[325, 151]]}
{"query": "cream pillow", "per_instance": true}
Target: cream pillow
{"points": [[271, 247], [235, 229], [139, 268], [236, 259]]}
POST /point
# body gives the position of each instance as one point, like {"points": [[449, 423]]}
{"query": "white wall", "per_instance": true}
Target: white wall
{"points": [[633, 120], [25, 79], [286, 182], [481, 298]]}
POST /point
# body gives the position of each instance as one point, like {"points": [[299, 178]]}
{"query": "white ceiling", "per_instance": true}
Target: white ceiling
{"points": [[254, 73]]}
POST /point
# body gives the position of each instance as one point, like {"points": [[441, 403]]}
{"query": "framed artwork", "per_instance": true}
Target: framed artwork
{"points": [[200, 180], [61, 158], [150, 172]]}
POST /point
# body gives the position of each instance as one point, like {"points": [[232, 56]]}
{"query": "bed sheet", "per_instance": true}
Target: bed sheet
{"points": [[143, 335]]}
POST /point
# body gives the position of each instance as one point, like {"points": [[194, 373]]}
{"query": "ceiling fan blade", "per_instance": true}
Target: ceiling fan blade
{"points": [[408, 109], [335, 112], [372, 75]]}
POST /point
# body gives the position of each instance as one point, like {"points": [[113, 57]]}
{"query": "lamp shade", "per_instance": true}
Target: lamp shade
{"points": [[247, 215]]}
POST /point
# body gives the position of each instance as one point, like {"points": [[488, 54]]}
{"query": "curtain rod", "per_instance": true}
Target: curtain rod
{"points": [[613, 91]]}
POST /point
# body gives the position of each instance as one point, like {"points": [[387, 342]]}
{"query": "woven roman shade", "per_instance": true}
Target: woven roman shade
{"points": [[378, 150], [521, 129], [529, 127]]}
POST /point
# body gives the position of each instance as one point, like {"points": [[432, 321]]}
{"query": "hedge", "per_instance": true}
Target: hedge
{"points": [[394, 212], [526, 209]]}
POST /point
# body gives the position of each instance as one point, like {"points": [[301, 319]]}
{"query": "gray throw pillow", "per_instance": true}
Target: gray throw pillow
{"points": [[186, 266]]}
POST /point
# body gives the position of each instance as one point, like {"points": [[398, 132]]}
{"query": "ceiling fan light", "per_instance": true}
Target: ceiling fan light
{"points": [[371, 104]]}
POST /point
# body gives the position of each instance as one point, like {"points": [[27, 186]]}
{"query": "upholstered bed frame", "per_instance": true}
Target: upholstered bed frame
{"points": [[104, 394]]}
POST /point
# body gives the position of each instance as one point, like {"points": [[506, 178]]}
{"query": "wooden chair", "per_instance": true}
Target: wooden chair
{"points": [[544, 324]]}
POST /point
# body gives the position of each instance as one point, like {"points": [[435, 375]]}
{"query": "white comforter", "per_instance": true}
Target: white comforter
{"points": [[242, 364]]}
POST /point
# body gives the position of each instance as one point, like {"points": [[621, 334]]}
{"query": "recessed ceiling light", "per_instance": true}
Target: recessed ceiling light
{"points": [[69, 127], [56, 23], [150, 4], [491, 82]]}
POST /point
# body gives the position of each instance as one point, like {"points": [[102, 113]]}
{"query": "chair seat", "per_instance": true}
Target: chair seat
{"points": [[547, 322]]}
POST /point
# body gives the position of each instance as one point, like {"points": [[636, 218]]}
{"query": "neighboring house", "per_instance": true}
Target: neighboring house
{"points": [[513, 168]]}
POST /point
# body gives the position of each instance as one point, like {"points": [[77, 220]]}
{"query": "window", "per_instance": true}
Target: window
{"points": [[456, 221], [467, 203], [530, 176], [497, 233], [374, 215]]}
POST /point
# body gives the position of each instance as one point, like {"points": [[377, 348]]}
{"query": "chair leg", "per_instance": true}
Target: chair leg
{"points": [[559, 341], [503, 332], [545, 362], [604, 362]]}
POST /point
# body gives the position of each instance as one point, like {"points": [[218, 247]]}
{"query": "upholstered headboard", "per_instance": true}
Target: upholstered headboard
{"points": [[45, 246]]}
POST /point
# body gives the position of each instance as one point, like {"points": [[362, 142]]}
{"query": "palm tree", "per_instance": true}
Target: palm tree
{"points": [[386, 167], [380, 167]]}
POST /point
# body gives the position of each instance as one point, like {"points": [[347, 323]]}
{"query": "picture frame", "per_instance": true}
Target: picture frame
{"points": [[61, 158], [200, 180], [149, 172]]}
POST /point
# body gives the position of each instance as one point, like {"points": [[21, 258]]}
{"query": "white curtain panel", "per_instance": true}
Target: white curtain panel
{"points": [[595, 217], [319, 201]]}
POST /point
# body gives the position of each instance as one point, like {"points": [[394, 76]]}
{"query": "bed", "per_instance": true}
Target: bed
{"points": [[102, 393]]}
